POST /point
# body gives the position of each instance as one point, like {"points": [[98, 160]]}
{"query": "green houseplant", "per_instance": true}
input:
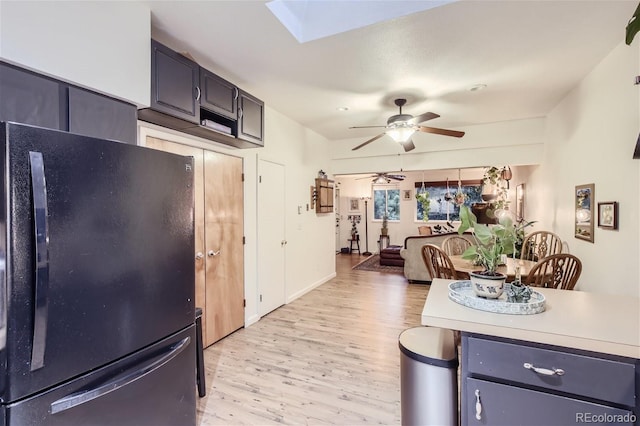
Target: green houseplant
{"points": [[423, 198], [491, 243]]}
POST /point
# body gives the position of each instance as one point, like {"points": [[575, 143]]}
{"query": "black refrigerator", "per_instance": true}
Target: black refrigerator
{"points": [[96, 282]]}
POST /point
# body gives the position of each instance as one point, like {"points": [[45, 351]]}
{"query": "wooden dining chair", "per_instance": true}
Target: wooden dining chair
{"points": [[560, 271], [455, 245], [438, 262], [539, 245]]}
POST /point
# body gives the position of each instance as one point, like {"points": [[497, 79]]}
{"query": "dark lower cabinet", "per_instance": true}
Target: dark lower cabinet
{"points": [[93, 115], [497, 404], [28, 98], [513, 382]]}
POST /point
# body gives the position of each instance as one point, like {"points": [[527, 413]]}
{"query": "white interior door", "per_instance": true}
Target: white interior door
{"points": [[271, 237]]}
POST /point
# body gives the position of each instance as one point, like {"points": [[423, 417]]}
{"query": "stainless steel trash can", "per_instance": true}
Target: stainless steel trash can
{"points": [[428, 377]]}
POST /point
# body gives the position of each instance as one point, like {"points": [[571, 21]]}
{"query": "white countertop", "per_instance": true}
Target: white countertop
{"points": [[604, 323]]}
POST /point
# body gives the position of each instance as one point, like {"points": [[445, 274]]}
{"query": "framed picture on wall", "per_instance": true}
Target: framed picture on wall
{"points": [[354, 205], [608, 215], [407, 194], [520, 202], [584, 196]]}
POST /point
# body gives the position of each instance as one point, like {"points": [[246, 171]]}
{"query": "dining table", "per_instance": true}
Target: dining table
{"points": [[465, 266]]}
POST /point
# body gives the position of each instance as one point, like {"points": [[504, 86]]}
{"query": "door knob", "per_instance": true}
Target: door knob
{"points": [[199, 255], [212, 253]]}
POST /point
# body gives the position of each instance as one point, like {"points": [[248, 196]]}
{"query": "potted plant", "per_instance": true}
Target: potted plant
{"points": [[423, 198], [491, 244], [385, 221]]}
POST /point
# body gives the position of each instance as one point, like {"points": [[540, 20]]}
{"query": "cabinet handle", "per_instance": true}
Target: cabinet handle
{"points": [[198, 93], [213, 253], [235, 97], [240, 113], [544, 371], [478, 406]]}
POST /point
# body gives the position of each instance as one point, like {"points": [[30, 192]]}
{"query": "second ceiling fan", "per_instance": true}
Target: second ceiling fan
{"points": [[402, 126]]}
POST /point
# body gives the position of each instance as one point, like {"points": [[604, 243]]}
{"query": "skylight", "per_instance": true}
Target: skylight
{"points": [[309, 20]]}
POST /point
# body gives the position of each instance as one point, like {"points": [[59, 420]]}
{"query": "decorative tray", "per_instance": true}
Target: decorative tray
{"points": [[461, 292]]}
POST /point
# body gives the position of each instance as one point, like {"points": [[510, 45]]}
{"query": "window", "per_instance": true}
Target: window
{"points": [[386, 199], [442, 206]]}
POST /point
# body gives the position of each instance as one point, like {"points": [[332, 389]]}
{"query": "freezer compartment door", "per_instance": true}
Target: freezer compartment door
{"points": [[99, 255], [154, 387]]}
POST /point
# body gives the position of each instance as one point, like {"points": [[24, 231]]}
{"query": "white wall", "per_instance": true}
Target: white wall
{"points": [[590, 139], [100, 45]]}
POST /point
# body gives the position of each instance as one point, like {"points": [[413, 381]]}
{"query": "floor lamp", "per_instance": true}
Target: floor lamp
{"points": [[366, 228]]}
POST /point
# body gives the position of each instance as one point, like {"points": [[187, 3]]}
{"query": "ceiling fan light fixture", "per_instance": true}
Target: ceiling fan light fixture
{"points": [[381, 179], [402, 133]]}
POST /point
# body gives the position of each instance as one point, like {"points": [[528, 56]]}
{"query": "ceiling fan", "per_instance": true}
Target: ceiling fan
{"points": [[402, 126], [384, 177]]}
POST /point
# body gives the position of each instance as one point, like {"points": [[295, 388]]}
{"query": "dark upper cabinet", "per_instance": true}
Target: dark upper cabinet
{"points": [[218, 95], [174, 83], [28, 98], [94, 115], [251, 119], [191, 99]]}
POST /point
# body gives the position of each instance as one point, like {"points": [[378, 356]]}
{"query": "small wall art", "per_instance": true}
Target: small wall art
{"points": [[608, 215], [407, 194], [354, 205], [584, 196]]}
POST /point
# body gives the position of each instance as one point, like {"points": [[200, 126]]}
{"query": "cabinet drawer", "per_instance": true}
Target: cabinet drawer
{"points": [[589, 376], [508, 405]]}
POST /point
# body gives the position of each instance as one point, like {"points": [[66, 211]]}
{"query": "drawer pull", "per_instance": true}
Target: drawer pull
{"points": [[478, 406], [544, 371]]}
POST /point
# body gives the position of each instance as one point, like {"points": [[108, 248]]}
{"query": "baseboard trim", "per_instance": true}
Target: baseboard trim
{"points": [[307, 289]]}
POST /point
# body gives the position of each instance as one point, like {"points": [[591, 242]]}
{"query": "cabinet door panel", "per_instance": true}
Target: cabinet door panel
{"points": [[30, 99], [218, 95], [251, 119], [174, 83], [91, 114], [509, 405]]}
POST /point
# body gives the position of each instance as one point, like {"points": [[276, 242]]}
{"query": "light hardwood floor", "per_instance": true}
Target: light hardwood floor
{"points": [[329, 357]]}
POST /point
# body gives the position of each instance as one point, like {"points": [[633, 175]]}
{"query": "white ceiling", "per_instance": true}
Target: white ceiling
{"points": [[528, 53]]}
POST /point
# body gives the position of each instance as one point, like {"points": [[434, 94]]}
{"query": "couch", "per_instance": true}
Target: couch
{"points": [[414, 268]]}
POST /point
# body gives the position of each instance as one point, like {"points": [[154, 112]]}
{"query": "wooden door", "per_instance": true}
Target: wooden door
{"points": [[198, 251], [224, 229], [272, 241]]}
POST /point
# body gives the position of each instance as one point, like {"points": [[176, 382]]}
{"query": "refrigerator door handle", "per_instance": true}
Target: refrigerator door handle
{"points": [[120, 380], [41, 232]]}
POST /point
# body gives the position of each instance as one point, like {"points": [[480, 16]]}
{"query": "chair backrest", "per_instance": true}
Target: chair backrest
{"points": [[455, 244], [424, 230], [539, 245], [560, 271], [438, 263]]}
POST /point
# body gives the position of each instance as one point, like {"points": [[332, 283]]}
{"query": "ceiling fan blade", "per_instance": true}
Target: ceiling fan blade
{"points": [[423, 117], [367, 177], [408, 145], [367, 127], [445, 132], [369, 141]]}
